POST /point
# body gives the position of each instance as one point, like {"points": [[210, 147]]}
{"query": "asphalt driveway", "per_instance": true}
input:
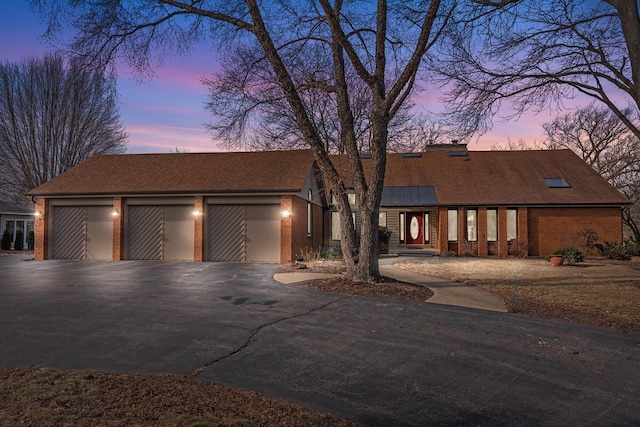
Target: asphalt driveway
{"points": [[378, 361]]}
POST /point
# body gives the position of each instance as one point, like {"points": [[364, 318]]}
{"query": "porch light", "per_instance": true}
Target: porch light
{"points": [[37, 214], [197, 213], [286, 213], [114, 213]]}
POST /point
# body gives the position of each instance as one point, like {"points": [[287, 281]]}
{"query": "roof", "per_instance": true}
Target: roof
{"points": [[498, 177], [12, 208], [266, 171]]}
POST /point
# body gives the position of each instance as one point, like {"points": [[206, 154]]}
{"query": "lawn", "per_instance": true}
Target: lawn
{"points": [[49, 397], [596, 292]]}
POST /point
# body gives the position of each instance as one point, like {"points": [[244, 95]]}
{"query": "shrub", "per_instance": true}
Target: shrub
{"points": [[620, 250], [18, 245], [633, 246], [31, 238], [571, 254], [586, 239], [383, 237], [5, 245], [308, 254], [332, 253]]}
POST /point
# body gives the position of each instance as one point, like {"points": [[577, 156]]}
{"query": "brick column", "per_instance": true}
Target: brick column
{"points": [[523, 231], [462, 229], [483, 244], [443, 228], [118, 229], [198, 238], [503, 245], [41, 235], [286, 230]]}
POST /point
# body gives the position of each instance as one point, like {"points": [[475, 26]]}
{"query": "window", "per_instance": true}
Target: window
{"points": [[453, 225], [492, 225], [472, 225], [426, 227], [335, 224], [382, 219], [309, 214], [556, 183], [512, 224], [402, 227]]}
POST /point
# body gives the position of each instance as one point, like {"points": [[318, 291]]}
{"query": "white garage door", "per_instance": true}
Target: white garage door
{"points": [[243, 233], [160, 233], [82, 232]]}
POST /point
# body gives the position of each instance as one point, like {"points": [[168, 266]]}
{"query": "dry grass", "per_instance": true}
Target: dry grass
{"points": [[48, 397], [597, 292]]}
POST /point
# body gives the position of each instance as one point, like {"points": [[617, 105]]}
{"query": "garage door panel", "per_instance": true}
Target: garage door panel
{"points": [[69, 231], [263, 233], [99, 232], [178, 233], [145, 232], [225, 233]]}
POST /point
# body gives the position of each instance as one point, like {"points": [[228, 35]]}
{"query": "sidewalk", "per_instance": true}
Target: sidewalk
{"points": [[445, 292]]}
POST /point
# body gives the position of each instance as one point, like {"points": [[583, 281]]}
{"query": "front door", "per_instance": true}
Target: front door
{"points": [[415, 228]]}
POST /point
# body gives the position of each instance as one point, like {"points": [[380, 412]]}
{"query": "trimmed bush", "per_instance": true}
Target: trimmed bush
{"points": [[571, 254], [18, 245], [383, 236], [5, 245], [31, 238]]}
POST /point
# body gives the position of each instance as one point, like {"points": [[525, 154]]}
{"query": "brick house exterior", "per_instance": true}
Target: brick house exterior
{"points": [[272, 206], [491, 203]]}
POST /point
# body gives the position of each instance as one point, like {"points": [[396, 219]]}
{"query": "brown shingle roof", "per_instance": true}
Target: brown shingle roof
{"points": [[276, 171], [500, 177]]}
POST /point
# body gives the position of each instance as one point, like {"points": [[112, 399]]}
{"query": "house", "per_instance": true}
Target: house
{"points": [[448, 199], [246, 207], [18, 220], [269, 206]]}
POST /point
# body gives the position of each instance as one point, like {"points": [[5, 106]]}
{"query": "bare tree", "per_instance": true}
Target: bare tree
{"points": [[520, 145], [250, 112], [383, 44], [539, 54], [602, 140], [53, 115]]}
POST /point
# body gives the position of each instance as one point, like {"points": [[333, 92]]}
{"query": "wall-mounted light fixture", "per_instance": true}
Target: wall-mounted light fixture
{"points": [[115, 213], [286, 213], [197, 213], [37, 214]]}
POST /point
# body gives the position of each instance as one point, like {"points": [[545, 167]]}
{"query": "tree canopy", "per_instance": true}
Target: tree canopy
{"points": [[53, 115]]}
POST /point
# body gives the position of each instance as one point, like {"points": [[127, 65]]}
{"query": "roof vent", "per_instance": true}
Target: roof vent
{"points": [[409, 155], [557, 183]]}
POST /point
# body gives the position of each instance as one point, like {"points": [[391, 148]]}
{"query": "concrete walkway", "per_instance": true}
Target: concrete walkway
{"points": [[444, 292]]}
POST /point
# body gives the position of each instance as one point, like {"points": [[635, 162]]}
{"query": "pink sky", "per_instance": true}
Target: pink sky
{"points": [[168, 112]]}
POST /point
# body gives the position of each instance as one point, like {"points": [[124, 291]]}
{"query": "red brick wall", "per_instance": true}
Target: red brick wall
{"points": [[118, 229], [293, 233], [198, 229], [550, 228], [41, 235]]}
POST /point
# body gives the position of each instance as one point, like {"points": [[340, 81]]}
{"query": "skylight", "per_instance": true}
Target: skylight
{"points": [[458, 154], [557, 183]]}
